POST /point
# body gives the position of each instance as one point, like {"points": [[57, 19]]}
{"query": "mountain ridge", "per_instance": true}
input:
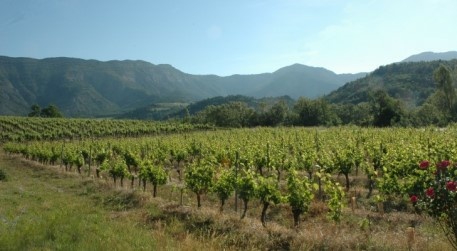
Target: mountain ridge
{"points": [[428, 56], [92, 88]]}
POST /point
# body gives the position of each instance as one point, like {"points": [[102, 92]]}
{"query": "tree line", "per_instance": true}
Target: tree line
{"points": [[52, 111], [381, 110]]}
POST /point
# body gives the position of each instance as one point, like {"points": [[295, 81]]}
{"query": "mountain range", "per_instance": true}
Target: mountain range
{"points": [[91, 88]]}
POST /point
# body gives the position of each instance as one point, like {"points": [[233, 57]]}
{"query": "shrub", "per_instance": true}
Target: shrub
{"points": [[434, 192], [2, 175]]}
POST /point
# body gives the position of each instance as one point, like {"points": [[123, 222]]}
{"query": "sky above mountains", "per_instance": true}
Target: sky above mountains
{"points": [[230, 37]]}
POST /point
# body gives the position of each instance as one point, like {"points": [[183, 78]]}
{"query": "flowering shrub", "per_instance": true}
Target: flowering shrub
{"points": [[434, 191], [424, 164]]}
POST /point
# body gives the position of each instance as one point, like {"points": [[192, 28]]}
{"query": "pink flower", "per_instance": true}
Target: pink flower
{"points": [[451, 186], [424, 164], [414, 198], [430, 192], [443, 164]]}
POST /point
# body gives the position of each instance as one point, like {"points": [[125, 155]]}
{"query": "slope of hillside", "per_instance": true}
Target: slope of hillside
{"points": [[162, 111], [295, 81], [432, 56], [410, 82], [93, 88], [90, 88], [305, 81]]}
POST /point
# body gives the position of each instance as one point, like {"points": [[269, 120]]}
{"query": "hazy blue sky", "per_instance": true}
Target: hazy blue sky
{"points": [[232, 36]]}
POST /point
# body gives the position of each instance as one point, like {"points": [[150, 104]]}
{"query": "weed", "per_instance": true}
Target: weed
{"points": [[3, 176]]}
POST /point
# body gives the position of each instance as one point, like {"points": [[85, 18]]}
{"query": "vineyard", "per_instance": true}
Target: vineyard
{"points": [[26, 129], [279, 176]]}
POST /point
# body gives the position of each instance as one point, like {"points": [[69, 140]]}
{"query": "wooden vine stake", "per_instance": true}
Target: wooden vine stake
{"points": [[381, 207], [353, 203], [411, 237]]}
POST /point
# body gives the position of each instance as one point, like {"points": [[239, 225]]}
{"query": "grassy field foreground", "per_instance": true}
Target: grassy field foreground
{"points": [[42, 208]]}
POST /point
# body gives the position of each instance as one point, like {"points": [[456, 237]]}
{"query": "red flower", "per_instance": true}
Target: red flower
{"points": [[414, 198], [430, 192], [451, 186], [443, 164], [424, 164]]}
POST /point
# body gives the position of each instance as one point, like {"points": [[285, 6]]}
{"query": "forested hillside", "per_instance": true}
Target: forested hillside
{"points": [[90, 88], [162, 111], [93, 88], [412, 83]]}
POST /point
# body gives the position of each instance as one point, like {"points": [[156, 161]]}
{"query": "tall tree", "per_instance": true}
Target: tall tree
{"points": [[315, 112], [276, 115], [51, 112], [233, 114], [443, 79], [386, 110], [36, 111], [359, 114]]}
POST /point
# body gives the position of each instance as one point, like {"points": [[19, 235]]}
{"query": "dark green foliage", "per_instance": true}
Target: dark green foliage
{"points": [[315, 112], [257, 112], [49, 112], [411, 82], [36, 111], [445, 89], [386, 110], [259, 105], [429, 114], [156, 111], [2, 175], [234, 114], [360, 114], [219, 100], [275, 116]]}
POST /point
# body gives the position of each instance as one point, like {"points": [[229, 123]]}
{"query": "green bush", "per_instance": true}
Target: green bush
{"points": [[2, 175]]}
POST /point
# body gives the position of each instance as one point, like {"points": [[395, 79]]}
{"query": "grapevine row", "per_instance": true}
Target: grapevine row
{"points": [[28, 129], [289, 166]]}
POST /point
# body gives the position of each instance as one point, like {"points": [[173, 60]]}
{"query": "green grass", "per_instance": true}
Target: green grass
{"points": [[45, 210]]}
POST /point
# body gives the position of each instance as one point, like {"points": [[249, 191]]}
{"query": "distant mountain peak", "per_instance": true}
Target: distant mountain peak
{"points": [[302, 68], [431, 56]]}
